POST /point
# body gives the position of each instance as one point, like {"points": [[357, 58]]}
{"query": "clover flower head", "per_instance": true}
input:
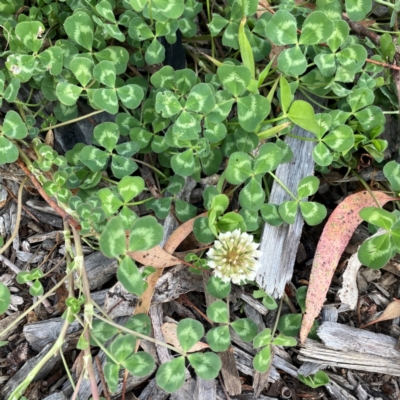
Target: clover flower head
{"points": [[234, 257]]}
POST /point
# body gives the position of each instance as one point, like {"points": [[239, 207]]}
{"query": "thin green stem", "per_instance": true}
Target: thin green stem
{"points": [[71, 121], [391, 112], [284, 187], [314, 101], [57, 346], [151, 167], [301, 137], [277, 317], [359, 177], [141, 336]]}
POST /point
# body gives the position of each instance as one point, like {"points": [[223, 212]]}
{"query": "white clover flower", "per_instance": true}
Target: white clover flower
{"points": [[234, 257]]}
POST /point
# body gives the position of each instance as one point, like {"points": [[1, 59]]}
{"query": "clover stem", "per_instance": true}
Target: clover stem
{"points": [[140, 335], [72, 121], [284, 187], [359, 177], [87, 313], [151, 167], [278, 313], [301, 138], [314, 101], [57, 346]]}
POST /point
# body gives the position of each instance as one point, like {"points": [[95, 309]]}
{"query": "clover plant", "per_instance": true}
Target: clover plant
{"points": [[227, 113]]}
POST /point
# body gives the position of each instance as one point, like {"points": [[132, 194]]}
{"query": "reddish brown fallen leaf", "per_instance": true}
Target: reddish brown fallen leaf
{"points": [[157, 257], [168, 330], [336, 235], [170, 246], [392, 311]]}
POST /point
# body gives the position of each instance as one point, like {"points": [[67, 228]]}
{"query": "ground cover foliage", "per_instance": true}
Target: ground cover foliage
{"points": [[226, 113]]}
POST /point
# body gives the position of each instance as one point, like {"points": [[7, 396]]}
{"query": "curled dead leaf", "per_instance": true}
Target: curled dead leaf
{"points": [[392, 311]]}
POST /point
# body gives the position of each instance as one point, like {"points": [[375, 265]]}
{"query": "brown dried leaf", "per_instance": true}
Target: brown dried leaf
{"points": [[157, 257], [169, 331], [392, 311], [49, 139]]}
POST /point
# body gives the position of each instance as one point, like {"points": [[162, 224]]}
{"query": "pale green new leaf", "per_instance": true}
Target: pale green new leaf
{"points": [[5, 298], [206, 365], [246, 51], [302, 114], [189, 332]]}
